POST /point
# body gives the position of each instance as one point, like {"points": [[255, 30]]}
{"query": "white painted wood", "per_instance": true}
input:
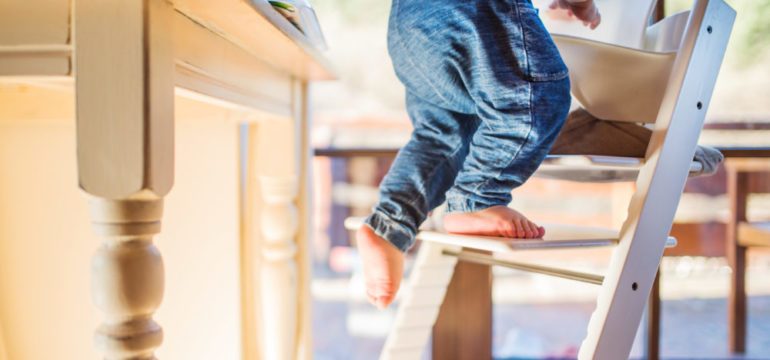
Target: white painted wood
{"points": [[35, 60], [592, 168], [40, 124], [250, 23], [39, 22], [124, 96], [209, 64], [419, 306], [619, 308], [238, 67], [558, 236], [620, 70], [281, 158], [127, 276], [615, 82], [666, 35], [125, 122], [278, 272], [304, 128]]}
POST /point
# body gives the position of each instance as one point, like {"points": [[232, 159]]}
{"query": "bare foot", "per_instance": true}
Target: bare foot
{"points": [[494, 221], [383, 267]]}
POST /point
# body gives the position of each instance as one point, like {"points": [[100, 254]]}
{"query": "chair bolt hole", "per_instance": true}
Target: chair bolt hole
{"points": [[634, 286], [699, 105], [709, 29]]}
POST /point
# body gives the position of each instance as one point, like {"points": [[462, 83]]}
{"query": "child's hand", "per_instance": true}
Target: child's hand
{"points": [[584, 10]]}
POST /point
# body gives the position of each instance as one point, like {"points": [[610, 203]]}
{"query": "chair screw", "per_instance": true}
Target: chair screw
{"points": [[699, 105], [709, 29], [634, 286]]}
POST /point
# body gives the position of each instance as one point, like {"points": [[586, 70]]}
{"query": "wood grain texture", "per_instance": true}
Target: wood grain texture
{"points": [[124, 97], [463, 329]]}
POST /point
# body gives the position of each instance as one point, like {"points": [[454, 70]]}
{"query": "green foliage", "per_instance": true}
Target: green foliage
{"points": [[752, 27], [751, 34]]}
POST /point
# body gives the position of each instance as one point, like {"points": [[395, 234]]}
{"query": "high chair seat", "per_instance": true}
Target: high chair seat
{"points": [[616, 82]]}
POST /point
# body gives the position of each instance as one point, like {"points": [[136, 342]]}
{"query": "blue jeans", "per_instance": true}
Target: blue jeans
{"points": [[487, 93]]}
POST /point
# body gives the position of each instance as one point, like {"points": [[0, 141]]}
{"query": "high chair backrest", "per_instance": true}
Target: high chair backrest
{"points": [[660, 182], [623, 22], [619, 70]]}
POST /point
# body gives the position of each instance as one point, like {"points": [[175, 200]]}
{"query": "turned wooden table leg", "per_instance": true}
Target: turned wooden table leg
{"points": [[125, 146], [737, 190], [127, 276], [278, 275], [278, 184]]}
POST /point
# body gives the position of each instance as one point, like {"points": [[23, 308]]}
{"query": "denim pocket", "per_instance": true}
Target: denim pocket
{"points": [[544, 63]]}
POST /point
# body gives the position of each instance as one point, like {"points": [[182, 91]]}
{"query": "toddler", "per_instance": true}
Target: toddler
{"points": [[487, 94]]}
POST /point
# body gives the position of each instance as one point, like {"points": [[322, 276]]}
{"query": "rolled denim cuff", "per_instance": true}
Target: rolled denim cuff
{"points": [[395, 233], [458, 200]]}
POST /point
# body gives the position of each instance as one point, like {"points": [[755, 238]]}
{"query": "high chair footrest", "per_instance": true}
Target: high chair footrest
{"points": [[557, 236]]}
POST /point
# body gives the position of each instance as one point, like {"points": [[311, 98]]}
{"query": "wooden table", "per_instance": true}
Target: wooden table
{"points": [[741, 163], [125, 60]]}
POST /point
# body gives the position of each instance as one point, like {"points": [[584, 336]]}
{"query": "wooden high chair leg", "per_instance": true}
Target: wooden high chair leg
{"points": [[419, 307], [463, 329]]}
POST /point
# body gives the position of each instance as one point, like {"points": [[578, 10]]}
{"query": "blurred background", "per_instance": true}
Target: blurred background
{"points": [[365, 110]]}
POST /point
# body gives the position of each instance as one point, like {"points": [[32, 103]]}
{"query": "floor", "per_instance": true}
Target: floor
{"points": [[692, 329], [538, 317]]}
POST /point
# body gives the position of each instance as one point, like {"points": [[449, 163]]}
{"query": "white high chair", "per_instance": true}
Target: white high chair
{"points": [[625, 70]]}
